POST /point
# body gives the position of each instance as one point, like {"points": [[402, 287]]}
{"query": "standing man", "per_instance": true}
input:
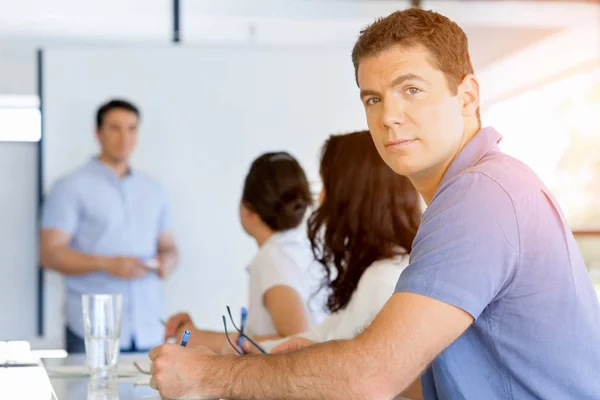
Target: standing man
{"points": [[106, 227], [496, 302]]}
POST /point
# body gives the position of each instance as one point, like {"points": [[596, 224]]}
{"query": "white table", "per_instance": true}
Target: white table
{"points": [[71, 383], [25, 382]]}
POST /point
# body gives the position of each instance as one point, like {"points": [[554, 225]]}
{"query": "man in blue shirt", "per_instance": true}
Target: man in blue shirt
{"points": [[106, 227], [496, 302]]}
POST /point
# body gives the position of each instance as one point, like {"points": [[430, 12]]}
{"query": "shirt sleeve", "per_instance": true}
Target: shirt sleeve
{"points": [[164, 222], [275, 268], [61, 207], [466, 250]]}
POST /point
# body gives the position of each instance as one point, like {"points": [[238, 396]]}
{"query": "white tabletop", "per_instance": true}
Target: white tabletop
{"points": [[25, 382], [70, 380]]}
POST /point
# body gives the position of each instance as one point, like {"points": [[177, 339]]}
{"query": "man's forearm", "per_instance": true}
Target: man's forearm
{"points": [[334, 370], [70, 262], [380, 363]]}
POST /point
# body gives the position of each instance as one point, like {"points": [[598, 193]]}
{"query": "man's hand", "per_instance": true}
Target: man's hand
{"points": [[176, 323], [164, 268], [167, 254], [126, 267], [159, 265], [293, 344], [178, 372]]}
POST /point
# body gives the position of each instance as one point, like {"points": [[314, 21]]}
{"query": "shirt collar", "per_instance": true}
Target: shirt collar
{"points": [[484, 142], [104, 169]]}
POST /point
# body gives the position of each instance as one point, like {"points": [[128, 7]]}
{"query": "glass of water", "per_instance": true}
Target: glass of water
{"points": [[102, 326], [102, 391]]}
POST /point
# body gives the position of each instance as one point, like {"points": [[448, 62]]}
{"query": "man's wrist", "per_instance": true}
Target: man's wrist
{"points": [[162, 265], [103, 263], [215, 380]]}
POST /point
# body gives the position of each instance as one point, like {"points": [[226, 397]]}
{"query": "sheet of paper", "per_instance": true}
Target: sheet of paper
{"points": [[152, 263]]}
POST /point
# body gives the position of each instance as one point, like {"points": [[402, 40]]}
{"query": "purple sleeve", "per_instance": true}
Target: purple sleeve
{"points": [[466, 251]]}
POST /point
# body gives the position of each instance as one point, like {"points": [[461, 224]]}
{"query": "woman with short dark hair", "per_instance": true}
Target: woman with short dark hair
{"points": [[282, 280]]}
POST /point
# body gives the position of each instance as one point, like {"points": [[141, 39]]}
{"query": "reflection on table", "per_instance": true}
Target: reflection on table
{"points": [[71, 381]]}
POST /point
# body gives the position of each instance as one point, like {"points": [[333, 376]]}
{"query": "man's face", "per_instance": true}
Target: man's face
{"points": [[118, 134], [416, 123]]}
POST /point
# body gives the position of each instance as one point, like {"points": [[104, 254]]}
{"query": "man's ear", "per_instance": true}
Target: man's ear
{"points": [[468, 91]]}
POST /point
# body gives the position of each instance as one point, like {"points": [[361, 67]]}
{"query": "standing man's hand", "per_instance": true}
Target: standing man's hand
{"points": [[126, 267], [179, 372], [167, 256], [165, 267]]}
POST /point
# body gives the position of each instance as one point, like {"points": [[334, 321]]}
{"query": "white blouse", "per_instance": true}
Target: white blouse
{"points": [[284, 259], [374, 289]]}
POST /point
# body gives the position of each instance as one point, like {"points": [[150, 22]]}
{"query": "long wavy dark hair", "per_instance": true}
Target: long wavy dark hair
{"points": [[368, 213]]}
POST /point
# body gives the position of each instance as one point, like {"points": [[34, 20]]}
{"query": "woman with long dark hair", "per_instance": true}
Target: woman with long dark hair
{"points": [[361, 234]]}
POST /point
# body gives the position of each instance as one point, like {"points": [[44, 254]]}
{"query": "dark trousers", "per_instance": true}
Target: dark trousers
{"points": [[75, 344]]}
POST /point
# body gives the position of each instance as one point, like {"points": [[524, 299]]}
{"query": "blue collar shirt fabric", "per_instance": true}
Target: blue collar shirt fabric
{"points": [[111, 216], [494, 243]]}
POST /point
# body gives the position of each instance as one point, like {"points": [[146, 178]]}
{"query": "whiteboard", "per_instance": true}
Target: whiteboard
{"points": [[207, 112]]}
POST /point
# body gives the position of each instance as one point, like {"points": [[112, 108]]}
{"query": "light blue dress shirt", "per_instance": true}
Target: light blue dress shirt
{"points": [[111, 216], [495, 243]]}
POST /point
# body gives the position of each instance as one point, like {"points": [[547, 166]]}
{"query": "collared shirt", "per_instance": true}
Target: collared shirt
{"points": [[495, 243], [111, 216]]}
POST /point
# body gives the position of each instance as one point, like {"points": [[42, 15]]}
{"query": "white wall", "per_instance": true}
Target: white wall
{"points": [[26, 25], [18, 71], [207, 112]]}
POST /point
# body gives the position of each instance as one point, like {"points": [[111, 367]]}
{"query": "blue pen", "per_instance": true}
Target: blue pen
{"points": [[242, 327], [185, 338]]}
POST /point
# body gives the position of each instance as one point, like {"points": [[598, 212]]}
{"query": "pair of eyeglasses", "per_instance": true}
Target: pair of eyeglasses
{"points": [[241, 334], [140, 369]]}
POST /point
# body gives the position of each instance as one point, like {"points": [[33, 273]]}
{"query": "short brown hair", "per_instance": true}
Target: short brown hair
{"points": [[115, 104], [443, 38], [368, 213], [277, 190]]}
